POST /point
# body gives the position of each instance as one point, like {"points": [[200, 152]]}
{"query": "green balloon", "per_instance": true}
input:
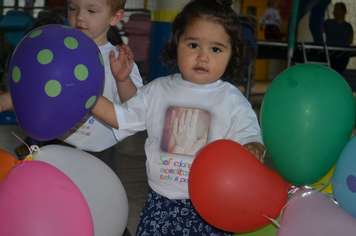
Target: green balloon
{"points": [[307, 117]]}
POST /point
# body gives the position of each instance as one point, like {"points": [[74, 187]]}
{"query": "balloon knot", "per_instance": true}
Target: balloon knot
{"points": [[28, 158], [292, 190]]}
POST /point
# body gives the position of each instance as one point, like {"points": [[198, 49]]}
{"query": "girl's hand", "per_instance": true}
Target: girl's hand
{"points": [[256, 149], [122, 65]]}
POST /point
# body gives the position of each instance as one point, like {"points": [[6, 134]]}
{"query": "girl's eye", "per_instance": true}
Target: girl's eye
{"points": [[216, 50], [193, 45], [92, 11]]}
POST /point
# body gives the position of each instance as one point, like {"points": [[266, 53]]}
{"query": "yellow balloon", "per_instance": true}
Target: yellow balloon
{"points": [[324, 180]]}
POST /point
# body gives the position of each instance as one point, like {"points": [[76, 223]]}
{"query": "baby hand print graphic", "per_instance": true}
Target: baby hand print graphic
{"points": [[186, 130]]}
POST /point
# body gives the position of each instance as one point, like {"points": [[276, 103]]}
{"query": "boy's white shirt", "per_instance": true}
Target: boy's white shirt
{"points": [[92, 134], [231, 117]]}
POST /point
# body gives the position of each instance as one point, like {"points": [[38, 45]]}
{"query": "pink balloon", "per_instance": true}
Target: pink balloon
{"points": [[37, 199], [316, 215]]}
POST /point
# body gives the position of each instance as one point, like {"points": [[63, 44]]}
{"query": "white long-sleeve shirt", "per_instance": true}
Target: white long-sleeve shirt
{"points": [[92, 134], [222, 112]]}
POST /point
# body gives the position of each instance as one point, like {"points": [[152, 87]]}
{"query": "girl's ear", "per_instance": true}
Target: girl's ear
{"points": [[117, 17]]}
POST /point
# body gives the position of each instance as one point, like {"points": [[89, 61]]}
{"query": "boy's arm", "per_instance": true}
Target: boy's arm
{"points": [[257, 149], [6, 102], [121, 69], [350, 39], [105, 110]]}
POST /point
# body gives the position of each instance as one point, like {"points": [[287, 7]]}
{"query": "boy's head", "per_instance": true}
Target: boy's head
{"points": [[272, 3], [116, 5], [339, 10], [95, 17]]}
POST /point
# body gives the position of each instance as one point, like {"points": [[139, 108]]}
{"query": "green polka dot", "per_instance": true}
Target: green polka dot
{"points": [[90, 102], [45, 56], [67, 26], [53, 88], [81, 72], [16, 74], [101, 59], [36, 33], [71, 43]]}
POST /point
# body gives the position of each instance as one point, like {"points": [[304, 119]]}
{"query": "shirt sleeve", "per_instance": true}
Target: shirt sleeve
{"points": [[351, 30], [244, 123], [131, 116], [263, 18], [136, 76], [277, 16]]}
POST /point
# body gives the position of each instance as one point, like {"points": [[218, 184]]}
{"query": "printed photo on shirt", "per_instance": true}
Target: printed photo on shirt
{"points": [[185, 130]]}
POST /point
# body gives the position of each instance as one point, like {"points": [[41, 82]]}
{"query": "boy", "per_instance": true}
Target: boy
{"points": [[94, 18]]}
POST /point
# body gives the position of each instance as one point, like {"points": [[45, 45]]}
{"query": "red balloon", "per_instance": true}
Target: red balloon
{"points": [[232, 190]]}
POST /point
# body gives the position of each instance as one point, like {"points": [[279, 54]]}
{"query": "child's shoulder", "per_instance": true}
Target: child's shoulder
{"points": [[107, 48], [159, 81], [166, 78]]}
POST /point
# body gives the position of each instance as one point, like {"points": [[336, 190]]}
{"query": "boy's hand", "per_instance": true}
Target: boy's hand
{"points": [[5, 102], [256, 149], [122, 65]]}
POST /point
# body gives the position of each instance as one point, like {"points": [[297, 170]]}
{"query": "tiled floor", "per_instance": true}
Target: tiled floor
{"points": [[132, 171]]}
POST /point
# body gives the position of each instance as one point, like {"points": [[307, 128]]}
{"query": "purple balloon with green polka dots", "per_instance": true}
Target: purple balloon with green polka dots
{"points": [[56, 75]]}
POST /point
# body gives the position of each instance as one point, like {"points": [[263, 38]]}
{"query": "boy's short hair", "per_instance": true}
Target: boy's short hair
{"points": [[116, 5], [342, 6], [270, 2]]}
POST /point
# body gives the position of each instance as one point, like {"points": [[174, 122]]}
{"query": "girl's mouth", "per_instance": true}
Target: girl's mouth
{"points": [[200, 70]]}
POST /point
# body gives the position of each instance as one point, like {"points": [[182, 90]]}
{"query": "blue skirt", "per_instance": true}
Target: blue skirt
{"points": [[163, 216]]}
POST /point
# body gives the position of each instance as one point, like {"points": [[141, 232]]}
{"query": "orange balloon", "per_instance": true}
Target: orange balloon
{"points": [[7, 161], [232, 190]]}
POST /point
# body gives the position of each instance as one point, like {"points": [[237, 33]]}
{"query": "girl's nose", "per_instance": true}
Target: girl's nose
{"points": [[203, 56]]}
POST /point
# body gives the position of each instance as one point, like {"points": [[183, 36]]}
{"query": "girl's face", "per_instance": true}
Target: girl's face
{"points": [[93, 17], [203, 51]]}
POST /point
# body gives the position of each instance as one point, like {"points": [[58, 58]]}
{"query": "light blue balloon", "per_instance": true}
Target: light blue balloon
{"points": [[344, 179]]}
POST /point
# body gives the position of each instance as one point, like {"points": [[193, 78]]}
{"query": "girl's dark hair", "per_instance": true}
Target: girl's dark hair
{"points": [[217, 11]]}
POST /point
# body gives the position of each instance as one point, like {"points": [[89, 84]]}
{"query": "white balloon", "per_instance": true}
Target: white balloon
{"points": [[100, 186]]}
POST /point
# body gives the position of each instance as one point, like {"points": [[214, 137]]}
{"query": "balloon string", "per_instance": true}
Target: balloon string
{"points": [[329, 195], [324, 185], [274, 221], [34, 148], [280, 214], [29, 149]]}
